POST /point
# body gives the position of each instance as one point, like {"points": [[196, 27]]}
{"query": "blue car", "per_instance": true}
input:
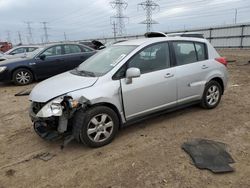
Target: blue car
{"points": [[44, 62]]}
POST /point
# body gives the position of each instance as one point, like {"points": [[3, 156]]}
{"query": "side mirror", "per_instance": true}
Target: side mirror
{"points": [[132, 73], [42, 57]]}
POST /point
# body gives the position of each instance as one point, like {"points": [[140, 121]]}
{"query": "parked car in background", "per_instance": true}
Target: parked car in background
{"points": [[5, 46], [127, 82], [18, 52], [44, 62]]}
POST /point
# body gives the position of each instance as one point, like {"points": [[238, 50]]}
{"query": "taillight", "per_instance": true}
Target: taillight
{"points": [[222, 60]]}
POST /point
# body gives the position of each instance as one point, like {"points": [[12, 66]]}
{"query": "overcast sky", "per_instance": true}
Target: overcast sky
{"points": [[83, 19]]}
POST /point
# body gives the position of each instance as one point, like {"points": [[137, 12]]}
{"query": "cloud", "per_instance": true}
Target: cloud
{"points": [[170, 12]]}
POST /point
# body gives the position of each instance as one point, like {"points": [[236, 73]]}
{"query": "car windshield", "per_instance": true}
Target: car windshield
{"points": [[105, 60]]}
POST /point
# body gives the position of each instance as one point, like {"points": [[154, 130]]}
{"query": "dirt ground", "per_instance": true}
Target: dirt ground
{"points": [[146, 154]]}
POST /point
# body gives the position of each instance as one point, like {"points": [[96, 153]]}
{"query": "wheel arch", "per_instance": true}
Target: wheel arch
{"points": [[111, 106], [220, 81]]}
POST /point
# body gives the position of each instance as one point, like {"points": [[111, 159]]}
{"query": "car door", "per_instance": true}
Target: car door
{"points": [[155, 89], [50, 62], [191, 69]]}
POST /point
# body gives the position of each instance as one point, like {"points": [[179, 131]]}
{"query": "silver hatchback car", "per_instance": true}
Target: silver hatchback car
{"points": [[125, 83]]}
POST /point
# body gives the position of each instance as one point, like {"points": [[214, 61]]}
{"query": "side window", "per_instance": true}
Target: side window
{"points": [[18, 51], [152, 58], [30, 49], [55, 50], [71, 49], [86, 49], [184, 52], [201, 51]]}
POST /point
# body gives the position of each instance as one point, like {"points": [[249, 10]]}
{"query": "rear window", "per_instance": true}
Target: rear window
{"points": [[189, 52]]}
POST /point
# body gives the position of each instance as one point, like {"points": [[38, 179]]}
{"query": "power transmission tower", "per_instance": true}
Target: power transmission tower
{"points": [[8, 36], [149, 6], [119, 5], [114, 29], [30, 36], [45, 28], [65, 36], [19, 37]]}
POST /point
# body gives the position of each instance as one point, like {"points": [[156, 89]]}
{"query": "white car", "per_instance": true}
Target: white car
{"points": [[17, 52], [127, 82]]}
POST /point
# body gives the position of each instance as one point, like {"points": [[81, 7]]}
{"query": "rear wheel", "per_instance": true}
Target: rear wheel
{"points": [[22, 77], [212, 95], [95, 127]]}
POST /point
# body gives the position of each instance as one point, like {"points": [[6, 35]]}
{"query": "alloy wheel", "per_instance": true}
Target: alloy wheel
{"points": [[213, 95], [100, 127], [23, 77]]}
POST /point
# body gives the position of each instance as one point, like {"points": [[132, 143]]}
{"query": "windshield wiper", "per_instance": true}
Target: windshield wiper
{"points": [[86, 73]]}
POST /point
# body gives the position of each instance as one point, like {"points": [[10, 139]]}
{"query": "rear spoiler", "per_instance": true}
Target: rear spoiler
{"points": [[161, 34]]}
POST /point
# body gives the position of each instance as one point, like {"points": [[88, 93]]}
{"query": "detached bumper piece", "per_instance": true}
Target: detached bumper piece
{"points": [[46, 132]]}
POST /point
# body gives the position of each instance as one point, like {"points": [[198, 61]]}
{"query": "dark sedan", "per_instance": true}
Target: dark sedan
{"points": [[44, 62]]}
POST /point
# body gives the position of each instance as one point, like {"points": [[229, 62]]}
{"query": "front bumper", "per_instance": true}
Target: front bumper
{"points": [[46, 128], [5, 76]]}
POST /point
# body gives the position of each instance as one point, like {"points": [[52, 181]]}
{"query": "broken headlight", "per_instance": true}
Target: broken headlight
{"points": [[53, 108]]}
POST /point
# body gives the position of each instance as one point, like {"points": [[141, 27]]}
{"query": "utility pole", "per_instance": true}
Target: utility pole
{"points": [[19, 37], [45, 28], [65, 36], [114, 29], [8, 36], [235, 16], [119, 5], [30, 36], [149, 6]]}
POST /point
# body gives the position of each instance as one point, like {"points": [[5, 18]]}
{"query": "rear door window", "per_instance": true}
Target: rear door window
{"points": [[185, 52], [72, 49]]}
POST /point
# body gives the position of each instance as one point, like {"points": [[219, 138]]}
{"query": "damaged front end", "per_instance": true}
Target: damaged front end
{"points": [[53, 120]]}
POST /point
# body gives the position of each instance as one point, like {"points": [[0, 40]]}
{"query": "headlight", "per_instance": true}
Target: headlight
{"points": [[3, 68], [53, 108]]}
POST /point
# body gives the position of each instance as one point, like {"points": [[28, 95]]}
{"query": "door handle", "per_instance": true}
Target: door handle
{"points": [[204, 67], [169, 75]]}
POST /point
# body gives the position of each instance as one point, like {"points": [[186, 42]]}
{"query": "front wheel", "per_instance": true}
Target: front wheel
{"points": [[22, 77], [95, 127], [212, 95]]}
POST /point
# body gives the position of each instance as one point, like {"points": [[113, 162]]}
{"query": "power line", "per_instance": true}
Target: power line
{"points": [[30, 36], [45, 28], [119, 5], [149, 6]]}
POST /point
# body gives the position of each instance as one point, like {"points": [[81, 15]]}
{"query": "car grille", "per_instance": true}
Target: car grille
{"points": [[37, 106]]}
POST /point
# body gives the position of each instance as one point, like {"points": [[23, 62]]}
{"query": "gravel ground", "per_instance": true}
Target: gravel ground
{"points": [[146, 154]]}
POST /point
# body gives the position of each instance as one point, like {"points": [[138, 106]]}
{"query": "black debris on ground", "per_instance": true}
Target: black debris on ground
{"points": [[23, 93], [208, 154]]}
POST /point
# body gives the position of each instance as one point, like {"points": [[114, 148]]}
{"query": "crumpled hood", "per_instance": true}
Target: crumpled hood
{"points": [[59, 85]]}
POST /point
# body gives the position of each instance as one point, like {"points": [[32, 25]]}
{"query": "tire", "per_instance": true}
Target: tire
{"points": [[212, 95], [22, 77], [95, 127]]}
